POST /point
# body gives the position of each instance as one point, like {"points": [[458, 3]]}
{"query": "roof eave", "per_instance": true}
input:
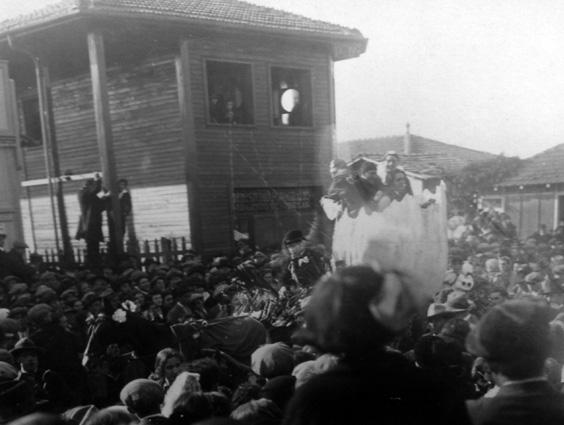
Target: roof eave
{"points": [[343, 46]]}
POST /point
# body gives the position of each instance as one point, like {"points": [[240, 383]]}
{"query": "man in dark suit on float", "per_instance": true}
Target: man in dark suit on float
{"points": [[93, 201], [513, 338]]}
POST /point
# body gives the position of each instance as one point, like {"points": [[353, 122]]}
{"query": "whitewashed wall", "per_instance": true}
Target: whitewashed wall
{"points": [[157, 212]]}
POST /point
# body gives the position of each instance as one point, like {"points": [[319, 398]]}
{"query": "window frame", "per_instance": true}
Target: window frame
{"points": [[31, 95], [208, 122], [271, 98]]}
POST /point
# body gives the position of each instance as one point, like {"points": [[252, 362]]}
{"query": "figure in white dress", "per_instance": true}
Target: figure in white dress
{"points": [[396, 229]]}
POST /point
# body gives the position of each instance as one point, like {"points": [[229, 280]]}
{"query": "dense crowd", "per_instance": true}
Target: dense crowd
{"points": [[270, 338]]}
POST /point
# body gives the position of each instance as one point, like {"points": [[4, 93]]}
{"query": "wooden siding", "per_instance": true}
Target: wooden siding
{"points": [[261, 155], [148, 138]]}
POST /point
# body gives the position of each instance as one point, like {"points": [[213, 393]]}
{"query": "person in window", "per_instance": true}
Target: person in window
{"points": [[235, 114], [217, 109]]}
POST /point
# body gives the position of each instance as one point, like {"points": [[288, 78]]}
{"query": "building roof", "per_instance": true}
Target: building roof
{"points": [[544, 168], [219, 12], [428, 157]]}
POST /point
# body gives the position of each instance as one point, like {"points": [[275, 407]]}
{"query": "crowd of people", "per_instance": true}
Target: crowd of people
{"points": [[287, 337]]}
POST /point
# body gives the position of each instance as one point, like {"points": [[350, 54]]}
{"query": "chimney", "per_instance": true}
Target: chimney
{"points": [[407, 148]]}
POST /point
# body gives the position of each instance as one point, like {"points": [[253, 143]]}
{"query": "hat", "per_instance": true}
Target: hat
{"points": [[306, 370], [45, 293], [512, 330], [89, 298], [558, 269], [48, 276], [293, 236], [23, 300], [68, 293], [20, 245], [391, 153], [38, 313], [138, 275], [455, 304], [533, 277], [18, 289], [126, 273], [23, 345], [10, 279], [221, 262], [81, 414], [7, 372], [272, 360], [149, 392], [18, 311], [9, 326]]}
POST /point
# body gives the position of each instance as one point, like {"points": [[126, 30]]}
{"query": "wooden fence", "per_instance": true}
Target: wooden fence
{"points": [[162, 250]]}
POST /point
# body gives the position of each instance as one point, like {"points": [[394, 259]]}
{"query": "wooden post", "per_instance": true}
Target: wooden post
{"points": [[46, 136], [104, 133], [184, 82], [68, 257]]}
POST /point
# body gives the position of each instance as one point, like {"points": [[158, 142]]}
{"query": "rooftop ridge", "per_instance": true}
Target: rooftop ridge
{"points": [[237, 12], [415, 137]]}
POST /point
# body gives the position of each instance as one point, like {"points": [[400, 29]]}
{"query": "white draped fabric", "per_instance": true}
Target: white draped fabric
{"points": [[404, 237]]}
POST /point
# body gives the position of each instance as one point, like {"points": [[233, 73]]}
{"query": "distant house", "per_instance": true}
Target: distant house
{"points": [[424, 159], [221, 112], [535, 195]]}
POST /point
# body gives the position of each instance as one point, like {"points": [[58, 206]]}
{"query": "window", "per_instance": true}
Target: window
{"points": [[291, 97], [494, 203], [31, 122], [230, 93]]}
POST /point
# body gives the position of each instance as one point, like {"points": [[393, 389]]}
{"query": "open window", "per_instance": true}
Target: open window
{"points": [[230, 93], [291, 97], [31, 125]]}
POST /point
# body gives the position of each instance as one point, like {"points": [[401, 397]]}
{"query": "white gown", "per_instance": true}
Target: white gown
{"points": [[404, 237]]}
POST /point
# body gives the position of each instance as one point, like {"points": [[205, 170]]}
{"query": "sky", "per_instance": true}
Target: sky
{"points": [[483, 74]]}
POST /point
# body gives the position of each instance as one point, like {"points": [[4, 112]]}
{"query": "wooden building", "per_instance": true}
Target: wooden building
{"points": [[220, 113], [535, 194]]}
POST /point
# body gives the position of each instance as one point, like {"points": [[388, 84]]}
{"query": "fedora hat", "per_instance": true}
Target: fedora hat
{"points": [[293, 236], [23, 345]]}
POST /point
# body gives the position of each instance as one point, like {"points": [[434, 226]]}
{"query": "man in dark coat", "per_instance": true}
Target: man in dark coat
{"points": [[15, 262], [514, 338], [371, 384], [306, 266], [90, 223], [59, 350]]}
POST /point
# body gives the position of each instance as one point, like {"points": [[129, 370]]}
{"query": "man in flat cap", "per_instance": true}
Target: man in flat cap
{"points": [[514, 339]]}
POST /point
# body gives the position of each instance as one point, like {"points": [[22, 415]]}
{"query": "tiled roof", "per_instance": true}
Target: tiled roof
{"points": [[430, 165], [419, 145], [543, 168], [429, 157], [223, 12]]}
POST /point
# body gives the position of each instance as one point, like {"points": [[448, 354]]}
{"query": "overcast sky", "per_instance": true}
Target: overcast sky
{"points": [[483, 74]]}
